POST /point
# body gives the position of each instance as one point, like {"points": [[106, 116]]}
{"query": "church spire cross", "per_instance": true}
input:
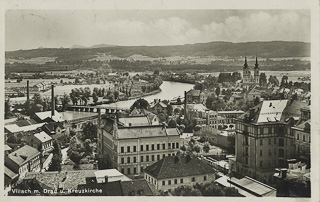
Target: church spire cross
{"points": [[245, 63], [256, 65]]}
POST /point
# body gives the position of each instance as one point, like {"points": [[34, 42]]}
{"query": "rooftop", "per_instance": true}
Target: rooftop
{"points": [[15, 128], [47, 114], [178, 166], [146, 131], [23, 154], [135, 121], [42, 136]]}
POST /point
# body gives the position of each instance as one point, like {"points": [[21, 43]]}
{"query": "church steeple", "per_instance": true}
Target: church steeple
{"points": [[256, 65], [245, 63]]}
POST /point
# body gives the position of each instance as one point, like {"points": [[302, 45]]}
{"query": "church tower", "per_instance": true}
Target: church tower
{"points": [[256, 72], [246, 72]]}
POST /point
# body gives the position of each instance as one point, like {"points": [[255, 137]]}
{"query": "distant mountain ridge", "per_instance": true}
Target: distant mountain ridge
{"points": [[272, 49]]}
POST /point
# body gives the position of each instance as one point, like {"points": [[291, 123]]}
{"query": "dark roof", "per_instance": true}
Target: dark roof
{"points": [[139, 187], [194, 92], [178, 166], [23, 154], [108, 189], [53, 126], [21, 123], [9, 173]]}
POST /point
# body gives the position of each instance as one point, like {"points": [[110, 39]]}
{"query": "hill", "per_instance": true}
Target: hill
{"points": [[273, 49]]}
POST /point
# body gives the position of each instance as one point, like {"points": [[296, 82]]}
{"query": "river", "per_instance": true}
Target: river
{"points": [[169, 90]]}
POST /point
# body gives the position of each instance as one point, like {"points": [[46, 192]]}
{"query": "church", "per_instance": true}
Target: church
{"points": [[249, 80]]}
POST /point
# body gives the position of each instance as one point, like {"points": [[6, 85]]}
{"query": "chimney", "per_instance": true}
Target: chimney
{"points": [[28, 96], [52, 100], [284, 173], [185, 103], [106, 179]]}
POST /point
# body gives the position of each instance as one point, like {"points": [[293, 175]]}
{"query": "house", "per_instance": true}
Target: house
{"points": [[159, 107], [47, 116], [174, 171], [254, 94], [41, 141], [26, 159], [195, 96], [264, 140], [133, 148], [54, 129], [302, 137], [16, 134]]}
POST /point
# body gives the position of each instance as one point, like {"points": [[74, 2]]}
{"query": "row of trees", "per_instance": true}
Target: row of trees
{"points": [[204, 189]]}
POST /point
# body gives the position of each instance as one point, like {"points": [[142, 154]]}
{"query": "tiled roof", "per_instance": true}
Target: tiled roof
{"points": [[303, 124], [69, 179], [23, 154], [137, 187], [178, 166], [52, 126], [172, 131], [113, 175], [271, 110], [194, 92], [144, 131], [42, 136], [15, 128]]}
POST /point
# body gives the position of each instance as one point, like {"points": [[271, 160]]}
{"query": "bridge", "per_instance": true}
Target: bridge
{"points": [[97, 109]]}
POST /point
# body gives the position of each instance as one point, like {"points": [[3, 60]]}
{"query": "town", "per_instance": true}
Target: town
{"points": [[100, 132]]}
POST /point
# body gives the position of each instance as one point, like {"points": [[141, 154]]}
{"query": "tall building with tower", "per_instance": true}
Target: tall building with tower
{"points": [[250, 80]]}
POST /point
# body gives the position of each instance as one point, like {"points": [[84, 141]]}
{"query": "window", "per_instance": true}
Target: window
{"points": [[147, 147], [173, 145], [142, 169], [152, 158], [261, 141], [163, 182], [177, 145], [269, 140], [275, 140], [163, 155], [297, 136], [269, 130], [281, 152], [134, 148], [163, 146], [147, 158], [169, 182], [260, 152], [158, 146], [304, 138], [122, 170], [134, 170], [261, 131], [281, 142], [141, 147], [152, 147], [181, 180], [128, 159], [175, 181], [169, 145], [122, 160], [204, 178], [158, 157], [169, 154], [122, 149], [141, 158], [134, 159], [193, 179], [260, 164], [269, 152], [275, 152], [128, 148]]}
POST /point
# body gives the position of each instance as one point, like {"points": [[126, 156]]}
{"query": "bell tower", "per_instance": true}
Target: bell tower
{"points": [[246, 72], [256, 72]]}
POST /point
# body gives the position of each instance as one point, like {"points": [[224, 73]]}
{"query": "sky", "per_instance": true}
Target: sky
{"points": [[31, 29]]}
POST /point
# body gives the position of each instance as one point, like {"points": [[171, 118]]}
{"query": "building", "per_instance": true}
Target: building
{"points": [[159, 107], [48, 116], [302, 137], [264, 139], [26, 159], [54, 129], [250, 80], [247, 186], [254, 94], [193, 96], [174, 171], [133, 148], [41, 141], [10, 179]]}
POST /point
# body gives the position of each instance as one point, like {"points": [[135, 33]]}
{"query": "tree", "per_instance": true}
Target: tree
{"points": [[116, 94], [172, 124], [65, 101], [140, 104], [197, 149], [209, 101], [90, 131], [104, 162], [183, 148], [95, 98], [7, 107], [75, 157], [206, 148], [87, 145], [217, 91], [256, 101], [262, 79], [55, 163]]}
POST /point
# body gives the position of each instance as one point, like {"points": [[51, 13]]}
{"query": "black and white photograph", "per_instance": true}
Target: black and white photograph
{"points": [[206, 102]]}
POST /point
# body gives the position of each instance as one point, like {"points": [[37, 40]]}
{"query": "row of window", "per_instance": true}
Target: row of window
{"points": [[175, 181], [147, 158], [129, 170], [147, 148], [303, 138]]}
